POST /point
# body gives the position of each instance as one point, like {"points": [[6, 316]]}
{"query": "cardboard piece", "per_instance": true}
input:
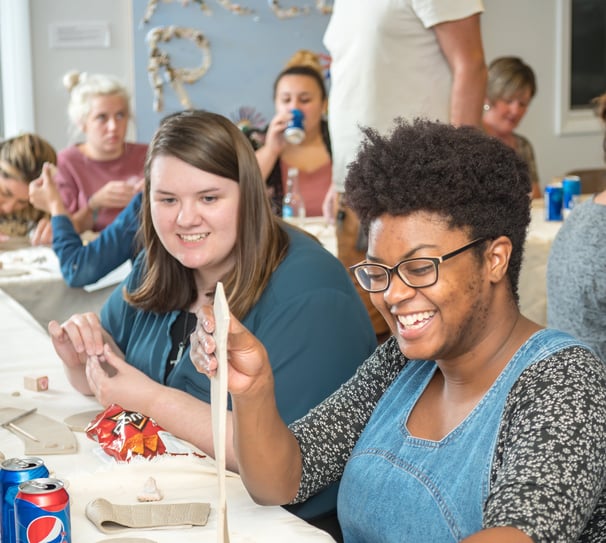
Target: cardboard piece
{"points": [[218, 404]]}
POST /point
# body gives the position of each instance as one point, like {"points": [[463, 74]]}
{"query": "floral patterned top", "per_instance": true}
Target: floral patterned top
{"points": [[548, 474]]}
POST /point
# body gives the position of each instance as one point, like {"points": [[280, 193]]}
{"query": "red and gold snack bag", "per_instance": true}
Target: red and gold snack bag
{"points": [[125, 434]]}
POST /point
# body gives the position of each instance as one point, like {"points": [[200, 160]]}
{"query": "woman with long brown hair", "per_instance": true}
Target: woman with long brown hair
{"points": [[206, 218]]}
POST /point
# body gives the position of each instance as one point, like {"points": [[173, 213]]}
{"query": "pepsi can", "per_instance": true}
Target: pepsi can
{"points": [[553, 202], [14, 471], [571, 188], [42, 512], [294, 132]]}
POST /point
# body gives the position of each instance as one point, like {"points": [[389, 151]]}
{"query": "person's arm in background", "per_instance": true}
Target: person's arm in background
{"points": [[113, 194], [85, 264], [461, 43], [268, 155]]}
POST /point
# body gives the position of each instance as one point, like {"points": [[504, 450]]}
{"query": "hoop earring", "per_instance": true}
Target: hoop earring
{"points": [[486, 107]]}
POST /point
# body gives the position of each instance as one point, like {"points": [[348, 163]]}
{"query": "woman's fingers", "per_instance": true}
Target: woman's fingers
{"points": [[85, 333], [203, 343]]}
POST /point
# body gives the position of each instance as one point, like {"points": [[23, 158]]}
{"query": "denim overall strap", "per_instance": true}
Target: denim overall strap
{"points": [[399, 488]]}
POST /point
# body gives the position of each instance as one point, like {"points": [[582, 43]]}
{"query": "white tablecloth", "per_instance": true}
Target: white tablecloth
{"points": [[319, 228], [533, 275], [31, 275], [26, 349]]}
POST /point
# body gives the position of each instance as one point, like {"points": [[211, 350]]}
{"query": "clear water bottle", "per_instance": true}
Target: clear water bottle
{"points": [[293, 206]]}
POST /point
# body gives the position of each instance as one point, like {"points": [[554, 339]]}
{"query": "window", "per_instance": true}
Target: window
{"points": [[588, 54], [580, 64]]}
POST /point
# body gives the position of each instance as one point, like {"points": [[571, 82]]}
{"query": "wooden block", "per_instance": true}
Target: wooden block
{"points": [[38, 383]]}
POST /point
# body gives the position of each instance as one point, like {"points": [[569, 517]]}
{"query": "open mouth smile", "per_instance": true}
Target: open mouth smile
{"points": [[414, 321], [193, 237]]}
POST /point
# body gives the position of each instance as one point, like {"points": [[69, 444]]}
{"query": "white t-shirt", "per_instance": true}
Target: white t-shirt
{"points": [[386, 63]]}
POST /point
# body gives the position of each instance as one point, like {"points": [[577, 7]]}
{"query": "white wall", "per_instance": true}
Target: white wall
{"points": [[528, 29], [49, 65], [510, 27]]}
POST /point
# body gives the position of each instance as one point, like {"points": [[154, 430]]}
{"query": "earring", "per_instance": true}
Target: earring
{"points": [[486, 107]]}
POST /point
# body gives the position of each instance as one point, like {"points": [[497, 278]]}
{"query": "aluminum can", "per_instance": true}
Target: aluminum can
{"points": [[553, 202], [571, 188], [295, 132], [14, 471], [42, 512]]}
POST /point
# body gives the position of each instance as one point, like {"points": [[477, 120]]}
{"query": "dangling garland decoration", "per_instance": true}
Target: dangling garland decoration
{"points": [[286, 13], [235, 8], [227, 4], [175, 76], [323, 8], [152, 4]]}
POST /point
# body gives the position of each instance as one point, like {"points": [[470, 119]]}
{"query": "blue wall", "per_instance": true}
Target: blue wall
{"points": [[247, 53]]}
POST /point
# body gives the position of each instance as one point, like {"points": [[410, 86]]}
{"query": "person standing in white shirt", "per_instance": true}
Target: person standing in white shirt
{"points": [[414, 59]]}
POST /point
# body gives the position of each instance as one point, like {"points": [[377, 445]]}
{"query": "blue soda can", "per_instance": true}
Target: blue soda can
{"points": [[295, 132], [571, 187], [14, 471], [42, 512], [553, 202]]}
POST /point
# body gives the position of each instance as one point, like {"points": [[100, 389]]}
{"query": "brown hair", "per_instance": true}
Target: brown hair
{"points": [[304, 62], [211, 143], [22, 157]]}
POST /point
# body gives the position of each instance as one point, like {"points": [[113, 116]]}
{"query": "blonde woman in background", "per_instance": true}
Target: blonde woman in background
{"points": [[299, 86], [98, 176], [511, 87], [21, 162]]}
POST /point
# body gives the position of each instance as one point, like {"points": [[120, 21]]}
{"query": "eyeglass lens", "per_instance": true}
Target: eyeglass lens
{"points": [[415, 273]]}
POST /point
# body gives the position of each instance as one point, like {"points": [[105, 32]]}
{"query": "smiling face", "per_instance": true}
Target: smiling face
{"points": [[505, 114], [14, 194], [301, 92], [442, 321], [105, 126], [195, 215]]}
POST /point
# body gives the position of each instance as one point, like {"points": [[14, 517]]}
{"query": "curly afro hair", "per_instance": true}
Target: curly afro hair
{"points": [[475, 182]]}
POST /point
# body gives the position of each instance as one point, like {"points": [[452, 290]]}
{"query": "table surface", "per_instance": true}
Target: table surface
{"points": [[31, 275], [533, 274], [90, 474]]}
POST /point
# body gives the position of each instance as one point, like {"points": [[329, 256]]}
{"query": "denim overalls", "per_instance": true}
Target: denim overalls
{"points": [[398, 488]]}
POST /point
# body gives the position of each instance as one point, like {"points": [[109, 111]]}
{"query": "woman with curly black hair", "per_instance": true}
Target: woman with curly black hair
{"points": [[471, 423]]}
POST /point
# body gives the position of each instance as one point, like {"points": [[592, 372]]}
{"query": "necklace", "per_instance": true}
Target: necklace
{"points": [[187, 331]]}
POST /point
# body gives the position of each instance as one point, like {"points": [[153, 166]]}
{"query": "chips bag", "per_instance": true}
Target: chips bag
{"points": [[126, 434]]}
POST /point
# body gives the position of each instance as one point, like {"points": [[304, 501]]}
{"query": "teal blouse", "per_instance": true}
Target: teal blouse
{"points": [[310, 319]]}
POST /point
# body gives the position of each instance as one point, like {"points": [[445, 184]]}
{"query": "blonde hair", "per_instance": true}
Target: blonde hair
{"points": [[508, 76], [82, 88], [22, 157], [305, 57]]}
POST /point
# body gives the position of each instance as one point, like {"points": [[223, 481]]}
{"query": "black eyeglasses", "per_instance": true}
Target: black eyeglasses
{"points": [[414, 272]]}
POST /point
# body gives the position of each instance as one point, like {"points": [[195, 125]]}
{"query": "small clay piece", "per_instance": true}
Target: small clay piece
{"points": [[151, 492]]}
